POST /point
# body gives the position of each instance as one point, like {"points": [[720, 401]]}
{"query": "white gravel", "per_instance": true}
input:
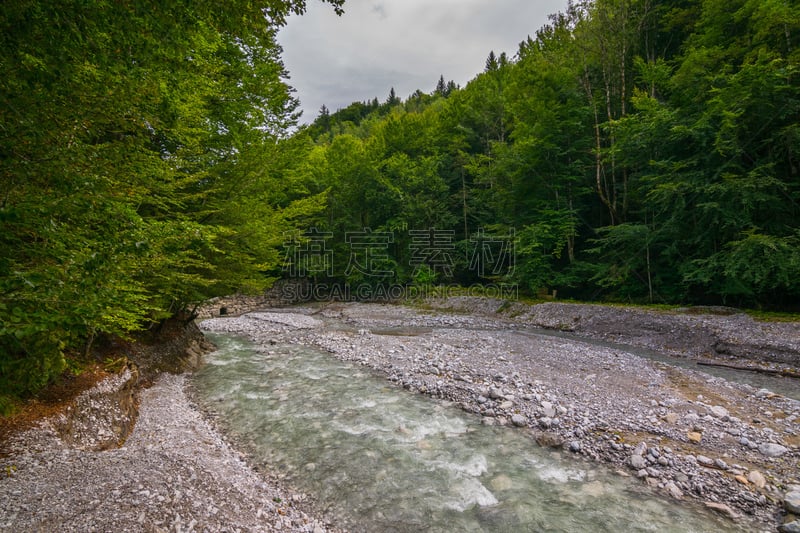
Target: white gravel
{"points": [[174, 473], [694, 436], [647, 419]]}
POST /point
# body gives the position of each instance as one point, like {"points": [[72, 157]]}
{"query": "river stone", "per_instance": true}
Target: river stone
{"points": [[640, 449], [638, 462], [791, 527], [722, 509], [501, 482], [548, 439], [757, 478], [549, 410], [719, 411], [772, 450], [671, 418], [519, 420], [575, 446], [674, 491], [792, 502], [496, 394], [546, 422], [704, 461]]}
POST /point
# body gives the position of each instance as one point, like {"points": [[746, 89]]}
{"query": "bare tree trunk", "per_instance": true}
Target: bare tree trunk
{"points": [[598, 156], [464, 203]]}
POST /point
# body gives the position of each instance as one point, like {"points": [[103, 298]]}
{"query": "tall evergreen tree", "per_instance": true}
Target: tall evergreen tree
{"points": [[393, 99], [491, 63], [441, 87]]}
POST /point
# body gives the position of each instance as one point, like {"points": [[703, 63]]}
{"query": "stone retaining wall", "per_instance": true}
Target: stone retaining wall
{"points": [[282, 293]]}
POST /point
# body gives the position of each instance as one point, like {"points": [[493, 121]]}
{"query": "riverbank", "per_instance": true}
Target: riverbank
{"points": [[695, 437], [174, 473], [721, 334]]}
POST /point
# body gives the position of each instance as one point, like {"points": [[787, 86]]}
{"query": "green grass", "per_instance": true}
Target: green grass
{"points": [[8, 405], [756, 314], [773, 316]]}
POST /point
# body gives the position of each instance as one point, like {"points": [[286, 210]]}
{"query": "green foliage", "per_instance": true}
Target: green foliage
{"points": [[132, 136], [642, 151], [633, 150]]}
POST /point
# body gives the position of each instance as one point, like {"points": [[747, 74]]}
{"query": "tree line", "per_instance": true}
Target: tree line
{"points": [[142, 157], [638, 150], [633, 150]]}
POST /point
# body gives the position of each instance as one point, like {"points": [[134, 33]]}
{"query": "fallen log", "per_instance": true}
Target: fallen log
{"points": [[769, 371]]}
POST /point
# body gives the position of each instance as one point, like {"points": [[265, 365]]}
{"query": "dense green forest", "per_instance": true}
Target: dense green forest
{"points": [[142, 156], [635, 150], [632, 150]]}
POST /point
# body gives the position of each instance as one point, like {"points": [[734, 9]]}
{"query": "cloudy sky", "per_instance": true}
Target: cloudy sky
{"points": [[405, 44]]}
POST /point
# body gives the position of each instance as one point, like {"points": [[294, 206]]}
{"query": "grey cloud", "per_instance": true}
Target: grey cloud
{"points": [[380, 10], [405, 44]]}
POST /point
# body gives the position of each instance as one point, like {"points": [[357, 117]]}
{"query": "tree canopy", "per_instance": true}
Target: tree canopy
{"points": [[131, 136], [631, 150], [637, 150]]}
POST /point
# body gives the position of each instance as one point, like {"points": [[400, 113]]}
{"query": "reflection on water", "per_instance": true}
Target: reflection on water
{"points": [[383, 459]]}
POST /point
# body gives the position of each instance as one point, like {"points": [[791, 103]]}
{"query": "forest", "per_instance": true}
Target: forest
{"points": [[150, 158], [635, 151]]}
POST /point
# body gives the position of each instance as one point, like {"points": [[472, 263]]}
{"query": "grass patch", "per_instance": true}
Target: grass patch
{"points": [[773, 316], [477, 292]]}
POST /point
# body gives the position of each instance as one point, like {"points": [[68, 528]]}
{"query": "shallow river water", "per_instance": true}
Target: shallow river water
{"points": [[383, 459]]}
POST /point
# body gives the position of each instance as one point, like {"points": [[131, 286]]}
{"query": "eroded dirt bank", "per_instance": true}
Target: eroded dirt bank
{"points": [[174, 473], [119, 457]]}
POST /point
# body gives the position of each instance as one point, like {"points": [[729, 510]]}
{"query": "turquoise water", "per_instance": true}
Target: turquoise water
{"points": [[382, 459]]}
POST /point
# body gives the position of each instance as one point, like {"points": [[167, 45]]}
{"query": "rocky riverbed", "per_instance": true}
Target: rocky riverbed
{"points": [[697, 438], [174, 473]]}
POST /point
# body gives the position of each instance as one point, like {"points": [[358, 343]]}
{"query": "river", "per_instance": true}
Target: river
{"points": [[380, 459]]}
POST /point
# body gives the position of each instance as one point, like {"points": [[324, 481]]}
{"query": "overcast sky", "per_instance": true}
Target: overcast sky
{"points": [[405, 44]]}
